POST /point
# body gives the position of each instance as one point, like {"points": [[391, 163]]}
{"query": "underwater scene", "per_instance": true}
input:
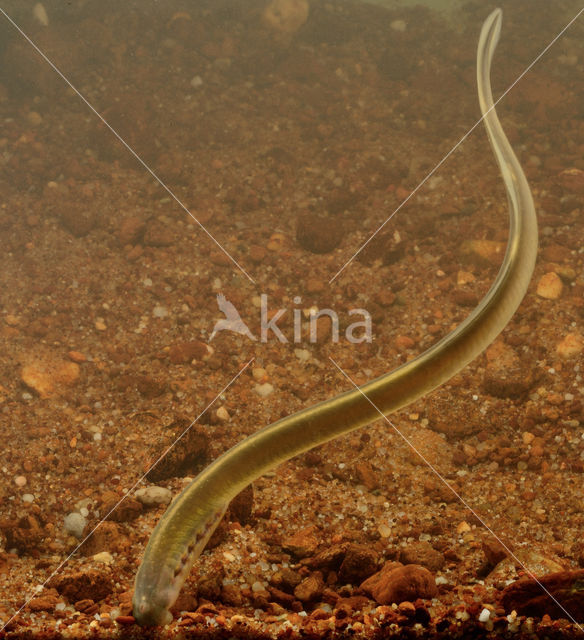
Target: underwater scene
{"points": [[219, 215]]}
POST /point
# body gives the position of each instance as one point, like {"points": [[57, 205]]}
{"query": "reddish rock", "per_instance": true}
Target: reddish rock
{"points": [[455, 420], [424, 554], [329, 558], [286, 579], [494, 551], [528, 598], [107, 537], [77, 219], [46, 602], [367, 476], [125, 511], [241, 507], [303, 543], [82, 585], [318, 235], [158, 234], [187, 456], [185, 352], [396, 583], [506, 376], [131, 230], [360, 562], [310, 588]]}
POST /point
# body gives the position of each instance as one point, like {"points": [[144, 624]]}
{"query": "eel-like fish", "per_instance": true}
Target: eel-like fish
{"points": [[183, 531]]}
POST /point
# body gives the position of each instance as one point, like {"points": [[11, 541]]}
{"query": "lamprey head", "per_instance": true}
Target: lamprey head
{"points": [[152, 600]]}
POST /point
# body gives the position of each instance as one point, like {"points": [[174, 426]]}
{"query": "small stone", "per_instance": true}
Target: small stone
{"points": [[79, 221], [153, 495], [404, 342], [398, 25], [494, 551], [367, 476], [359, 564], [160, 312], [105, 557], [76, 356], [100, 325], [186, 352], [223, 414], [424, 554], [285, 16], [50, 375], [318, 235], [506, 375], [264, 390], [550, 286], [158, 234], [311, 588], [259, 374], [106, 537], [484, 615], [572, 345], [303, 543], [27, 497], [397, 583], [463, 527], [483, 251], [34, 118], [527, 597], [20, 481], [131, 230], [74, 524]]}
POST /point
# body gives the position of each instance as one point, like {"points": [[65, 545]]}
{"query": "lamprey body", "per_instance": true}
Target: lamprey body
{"points": [[189, 521]]}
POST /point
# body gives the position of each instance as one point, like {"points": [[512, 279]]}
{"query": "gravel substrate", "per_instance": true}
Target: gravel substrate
{"points": [[291, 131]]}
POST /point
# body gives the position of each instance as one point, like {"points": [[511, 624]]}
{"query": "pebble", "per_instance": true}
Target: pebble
{"points": [[49, 375], [40, 14], [34, 118], [153, 495], [259, 374], [105, 557], [186, 352], [398, 583], [264, 390], [310, 588], [77, 356], [285, 16], [572, 345], [485, 251], [27, 497], [550, 286], [398, 25], [424, 554], [20, 481], [75, 524], [360, 563], [223, 414], [526, 598], [484, 615], [160, 311]]}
